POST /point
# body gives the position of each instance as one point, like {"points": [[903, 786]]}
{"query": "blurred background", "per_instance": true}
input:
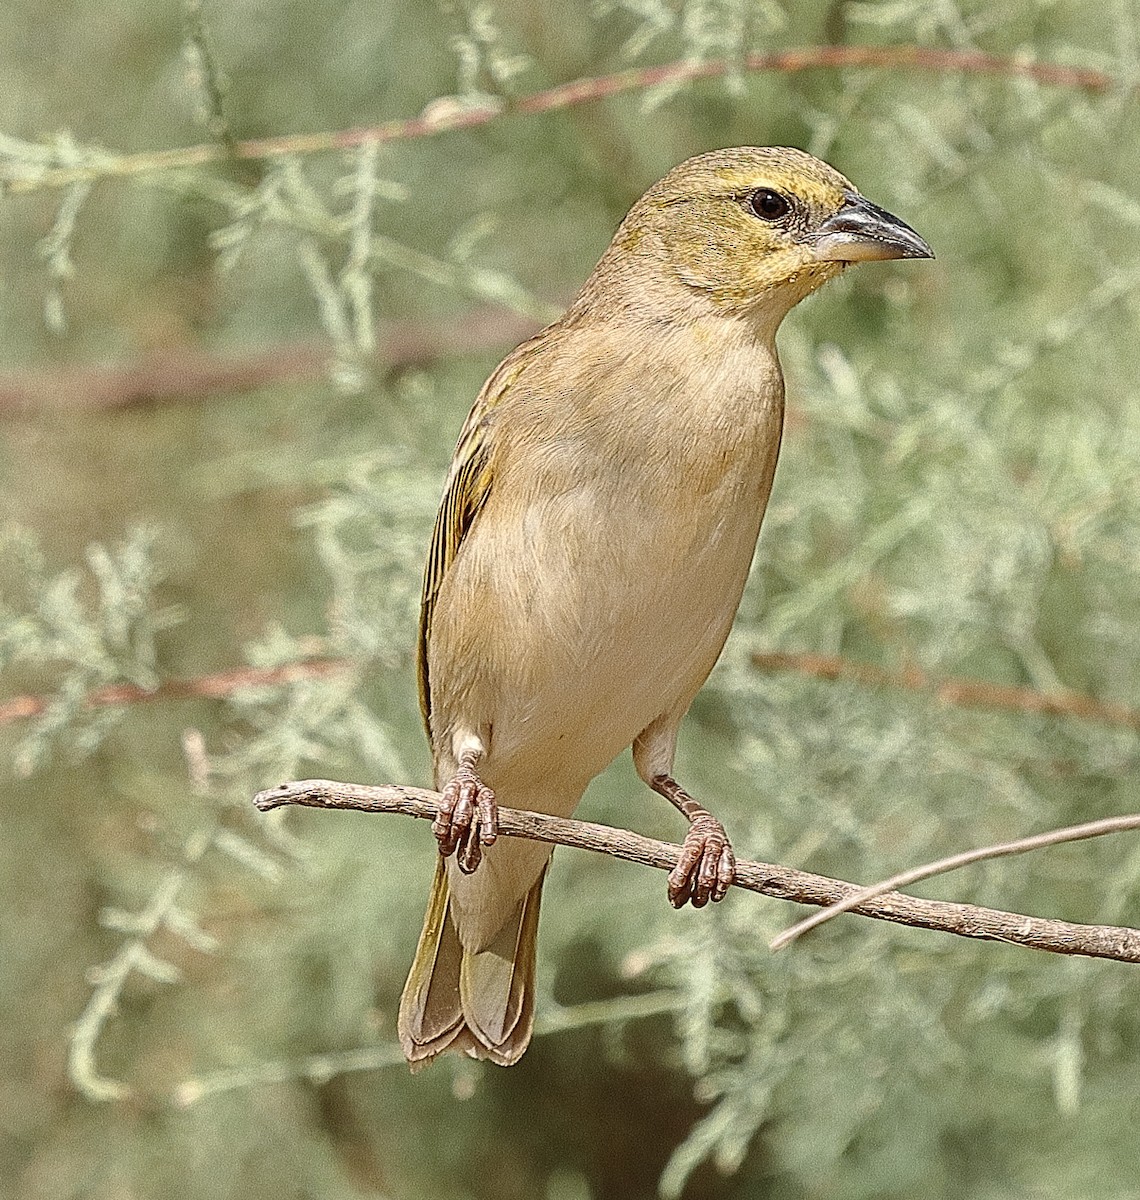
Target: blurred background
{"points": [[230, 382]]}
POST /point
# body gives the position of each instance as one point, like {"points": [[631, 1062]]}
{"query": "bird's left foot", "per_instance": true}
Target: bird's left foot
{"points": [[468, 817], [707, 867]]}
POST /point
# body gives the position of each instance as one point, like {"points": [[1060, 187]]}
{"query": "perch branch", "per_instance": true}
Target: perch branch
{"points": [[446, 114], [782, 883]]}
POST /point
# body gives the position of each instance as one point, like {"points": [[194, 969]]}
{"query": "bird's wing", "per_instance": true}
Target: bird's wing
{"points": [[468, 486]]}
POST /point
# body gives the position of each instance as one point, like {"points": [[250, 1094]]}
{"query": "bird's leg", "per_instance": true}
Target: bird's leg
{"points": [[707, 866], [468, 817]]}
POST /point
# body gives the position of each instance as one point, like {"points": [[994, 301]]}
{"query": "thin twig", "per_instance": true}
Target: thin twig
{"points": [[943, 866], [783, 883], [440, 117], [207, 687], [964, 693]]}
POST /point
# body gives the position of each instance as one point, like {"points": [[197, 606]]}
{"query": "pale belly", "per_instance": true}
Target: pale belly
{"points": [[582, 619]]}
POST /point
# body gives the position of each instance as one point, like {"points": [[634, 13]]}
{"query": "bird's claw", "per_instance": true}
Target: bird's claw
{"points": [[467, 820], [707, 866]]}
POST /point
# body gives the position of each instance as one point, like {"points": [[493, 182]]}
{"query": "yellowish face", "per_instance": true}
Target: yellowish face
{"points": [[762, 226]]}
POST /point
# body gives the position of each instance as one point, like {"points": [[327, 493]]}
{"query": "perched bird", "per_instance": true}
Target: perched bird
{"points": [[591, 549]]}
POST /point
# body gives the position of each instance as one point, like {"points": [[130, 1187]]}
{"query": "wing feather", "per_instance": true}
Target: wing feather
{"points": [[468, 486]]}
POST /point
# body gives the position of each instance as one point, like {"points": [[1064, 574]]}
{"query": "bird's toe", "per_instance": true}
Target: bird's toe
{"points": [[706, 868]]}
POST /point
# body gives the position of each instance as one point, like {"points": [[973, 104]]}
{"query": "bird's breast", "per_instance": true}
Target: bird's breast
{"points": [[599, 583]]}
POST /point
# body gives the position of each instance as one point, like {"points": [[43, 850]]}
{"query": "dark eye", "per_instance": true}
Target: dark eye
{"points": [[769, 205]]}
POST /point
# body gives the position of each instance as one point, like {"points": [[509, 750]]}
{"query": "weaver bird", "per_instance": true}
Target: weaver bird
{"points": [[591, 548]]}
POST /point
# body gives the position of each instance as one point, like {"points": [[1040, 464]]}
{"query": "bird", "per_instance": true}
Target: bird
{"points": [[590, 551]]}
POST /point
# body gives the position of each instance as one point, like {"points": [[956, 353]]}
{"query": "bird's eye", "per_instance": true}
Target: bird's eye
{"points": [[769, 205]]}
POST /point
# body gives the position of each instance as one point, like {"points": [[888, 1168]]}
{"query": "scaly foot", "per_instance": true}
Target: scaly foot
{"points": [[707, 866], [468, 817]]}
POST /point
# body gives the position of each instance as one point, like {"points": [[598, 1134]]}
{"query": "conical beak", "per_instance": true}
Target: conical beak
{"points": [[863, 232]]}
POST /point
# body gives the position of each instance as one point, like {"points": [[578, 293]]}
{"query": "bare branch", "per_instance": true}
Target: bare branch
{"points": [[965, 693], [439, 117], [782, 883]]}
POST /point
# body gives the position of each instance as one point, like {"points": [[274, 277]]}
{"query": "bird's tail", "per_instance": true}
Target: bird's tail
{"points": [[479, 1002]]}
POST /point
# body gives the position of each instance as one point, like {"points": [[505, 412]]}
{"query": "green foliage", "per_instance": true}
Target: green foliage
{"points": [[78, 633], [200, 1002]]}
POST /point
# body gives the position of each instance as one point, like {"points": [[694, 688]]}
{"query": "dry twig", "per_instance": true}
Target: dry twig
{"points": [[783, 883]]}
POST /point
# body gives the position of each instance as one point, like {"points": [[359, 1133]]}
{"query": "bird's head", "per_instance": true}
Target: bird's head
{"points": [[752, 230]]}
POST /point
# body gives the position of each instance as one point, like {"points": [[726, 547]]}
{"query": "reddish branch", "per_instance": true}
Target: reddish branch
{"points": [[208, 687], [191, 372], [969, 693], [440, 115], [963, 693]]}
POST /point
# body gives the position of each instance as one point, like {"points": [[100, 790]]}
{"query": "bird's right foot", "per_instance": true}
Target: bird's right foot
{"points": [[468, 817]]}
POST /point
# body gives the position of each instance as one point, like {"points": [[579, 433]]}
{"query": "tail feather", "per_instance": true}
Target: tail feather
{"points": [[496, 985], [477, 1002], [430, 1014]]}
